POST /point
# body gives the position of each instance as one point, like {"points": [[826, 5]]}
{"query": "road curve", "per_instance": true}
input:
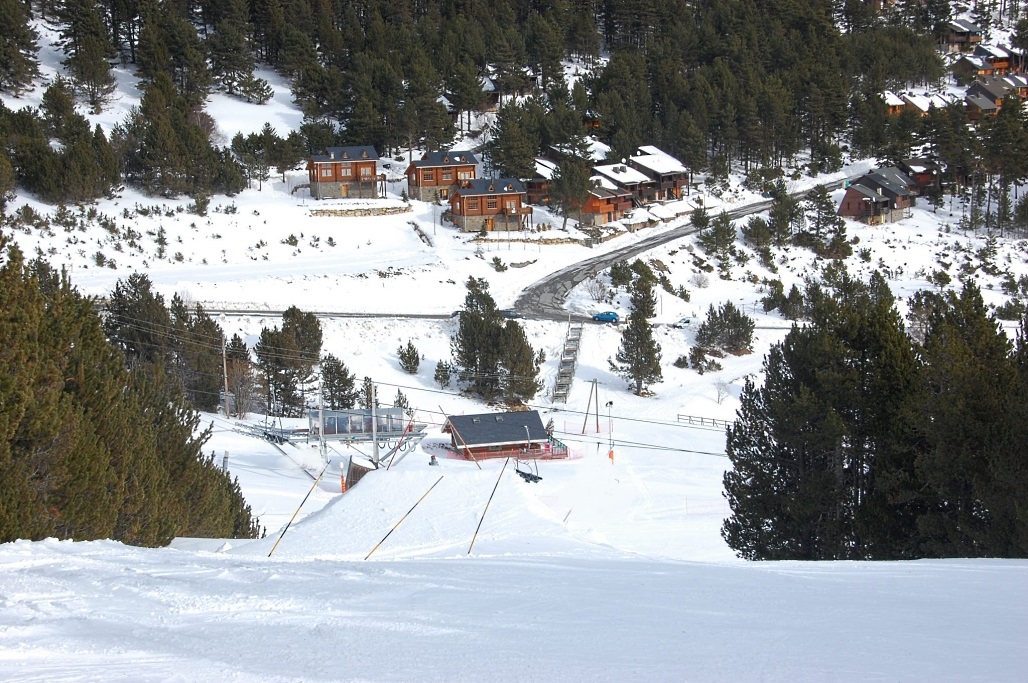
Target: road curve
{"points": [[545, 298]]}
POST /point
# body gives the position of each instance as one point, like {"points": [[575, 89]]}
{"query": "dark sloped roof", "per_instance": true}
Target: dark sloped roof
{"points": [[868, 192], [892, 181], [445, 159], [983, 103], [354, 153], [491, 429], [484, 186], [894, 176]]}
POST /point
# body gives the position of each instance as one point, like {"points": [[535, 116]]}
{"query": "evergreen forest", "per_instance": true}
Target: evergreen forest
{"points": [[870, 439], [746, 85], [95, 443]]}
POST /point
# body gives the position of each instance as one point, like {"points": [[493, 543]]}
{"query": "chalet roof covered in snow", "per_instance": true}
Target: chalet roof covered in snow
{"points": [[658, 161], [621, 174]]}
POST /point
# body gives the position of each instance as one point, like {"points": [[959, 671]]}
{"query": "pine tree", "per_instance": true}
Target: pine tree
{"points": [[642, 297], [18, 48], [718, 241], [638, 356], [969, 379], [338, 384], [88, 46], [518, 367], [569, 189], [476, 343], [137, 321], [513, 147], [410, 357], [231, 56]]}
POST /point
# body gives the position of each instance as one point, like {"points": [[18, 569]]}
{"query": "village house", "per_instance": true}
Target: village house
{"points": [[894, 104], [969, 67], [881, 196], [339, 172], [627, 178], [517, 434], [924, 102], [960, 36], [490, 204], [1000, 59], [985, 96], [667, 175], [538, 186], [925, 173], [437, 174], [606, 203]]}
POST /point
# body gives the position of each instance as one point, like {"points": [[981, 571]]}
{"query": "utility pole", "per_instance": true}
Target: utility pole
{"points": [[321, 426], [374, 426], [224, 367]]}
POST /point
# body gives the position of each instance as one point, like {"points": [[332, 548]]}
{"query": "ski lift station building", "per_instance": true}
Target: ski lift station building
{"points": [[499, 435], [356, 424]]}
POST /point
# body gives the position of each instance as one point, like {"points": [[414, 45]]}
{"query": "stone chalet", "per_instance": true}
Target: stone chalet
{"points": [[345, 172], [490, 204], [437, 174]]}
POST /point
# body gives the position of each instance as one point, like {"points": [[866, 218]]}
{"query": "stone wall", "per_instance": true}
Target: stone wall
{"points": [[362, 212]]}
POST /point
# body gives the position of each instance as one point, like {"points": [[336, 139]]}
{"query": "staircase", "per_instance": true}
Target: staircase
{"points": [[568, 360]]}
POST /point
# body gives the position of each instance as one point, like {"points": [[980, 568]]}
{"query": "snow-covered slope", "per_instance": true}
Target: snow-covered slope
{"points": [[604, 570]]}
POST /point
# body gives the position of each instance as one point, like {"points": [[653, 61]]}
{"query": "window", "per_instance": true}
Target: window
{"points": [[466, 175], [490, 203], [429, 176], [365, 171], [511, 205], [472, 205], [447, 175], [326, 172], [347, 171]]}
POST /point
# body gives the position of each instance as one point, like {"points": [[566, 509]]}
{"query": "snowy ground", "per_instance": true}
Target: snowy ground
{"points": [[602, 571]]}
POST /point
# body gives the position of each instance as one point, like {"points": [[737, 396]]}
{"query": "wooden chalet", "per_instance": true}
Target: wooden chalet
{"points": [[970, 67], [626, 177], [503, 435], [345, 172], [999, 59], [606, 203], [492, 204], [881, 196], [925, 173], [922, 103], [960, 35], [894, 104], [538, 186], [667, 175], [985, 96], [979, 107], [437, 174]]}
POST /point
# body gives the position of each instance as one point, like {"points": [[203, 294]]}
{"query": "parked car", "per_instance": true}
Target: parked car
{"points": [[681, 323], [607, 317], [510, 314]]}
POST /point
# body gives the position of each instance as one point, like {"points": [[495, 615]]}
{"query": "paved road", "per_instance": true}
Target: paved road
{"points": [[545, 298]]}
